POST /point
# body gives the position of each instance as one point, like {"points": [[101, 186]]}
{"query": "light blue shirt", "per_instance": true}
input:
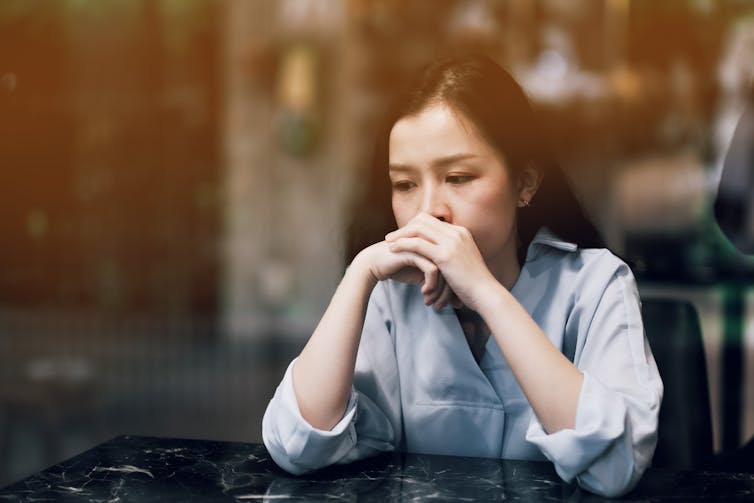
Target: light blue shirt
{"points": [[418, 388]]}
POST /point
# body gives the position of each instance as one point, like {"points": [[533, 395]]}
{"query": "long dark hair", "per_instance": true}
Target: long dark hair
{"points": [[489, 96]]}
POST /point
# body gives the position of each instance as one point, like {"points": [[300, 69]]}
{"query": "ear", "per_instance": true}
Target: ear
{"points": [[528, 184]]}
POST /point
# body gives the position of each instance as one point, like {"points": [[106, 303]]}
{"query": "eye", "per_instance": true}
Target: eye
{"points": [[458, 179], [403, 185]]}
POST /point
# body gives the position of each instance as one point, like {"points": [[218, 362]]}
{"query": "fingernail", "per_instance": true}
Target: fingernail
{"points": [[389, 236]]}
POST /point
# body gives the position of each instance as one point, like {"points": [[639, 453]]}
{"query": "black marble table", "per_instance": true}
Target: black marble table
{"points": [[154, 469]]}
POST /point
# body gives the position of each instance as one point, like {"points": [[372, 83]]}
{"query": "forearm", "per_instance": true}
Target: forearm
{"points": [[323, 372], [551, 383]]}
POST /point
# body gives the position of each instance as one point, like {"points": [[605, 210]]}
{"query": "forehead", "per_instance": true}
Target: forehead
{"points": [[435, 131]]}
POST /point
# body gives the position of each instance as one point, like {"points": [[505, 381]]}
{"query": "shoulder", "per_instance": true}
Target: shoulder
{"points": [[604, 276], [596, 270], [547, 251], [601, 261], [589, 276]]}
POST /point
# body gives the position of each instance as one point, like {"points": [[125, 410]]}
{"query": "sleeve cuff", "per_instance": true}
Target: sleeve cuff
{"points": [[600, 421]]}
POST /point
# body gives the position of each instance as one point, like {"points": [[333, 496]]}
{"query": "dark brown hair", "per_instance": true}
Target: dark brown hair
{"points": [[494, 102]]}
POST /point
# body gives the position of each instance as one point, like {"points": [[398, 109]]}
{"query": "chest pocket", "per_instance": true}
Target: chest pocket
{"points": [[454, 428], [449, 405]]}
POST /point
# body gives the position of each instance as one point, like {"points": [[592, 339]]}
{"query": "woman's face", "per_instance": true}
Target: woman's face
{"points": [[441, 165]]}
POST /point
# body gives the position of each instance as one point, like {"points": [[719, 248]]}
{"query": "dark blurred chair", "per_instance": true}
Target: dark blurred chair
{"points": [[685, 427]]}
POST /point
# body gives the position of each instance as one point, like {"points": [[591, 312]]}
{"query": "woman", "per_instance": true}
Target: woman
{"points": [[487, 324]]}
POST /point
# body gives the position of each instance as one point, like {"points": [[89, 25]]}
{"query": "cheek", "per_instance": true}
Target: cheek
{"points": [[495, 215], [400, 212], [501, 201]]}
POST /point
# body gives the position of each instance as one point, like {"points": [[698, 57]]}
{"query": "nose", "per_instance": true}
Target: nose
{"points": [[435, 204]]}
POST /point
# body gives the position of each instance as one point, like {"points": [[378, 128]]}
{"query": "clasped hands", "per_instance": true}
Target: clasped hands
{"points": [[441, 257]]}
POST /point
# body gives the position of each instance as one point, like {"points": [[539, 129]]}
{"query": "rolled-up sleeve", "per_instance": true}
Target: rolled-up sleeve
{"points": [[293, 443], [369, 423], [615, 431]]}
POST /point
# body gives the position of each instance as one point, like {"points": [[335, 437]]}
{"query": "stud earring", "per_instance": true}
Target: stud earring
{"points": [[524, 203]]}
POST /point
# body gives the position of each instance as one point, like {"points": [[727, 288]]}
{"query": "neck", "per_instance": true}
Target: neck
{"points": [[506, 268]]}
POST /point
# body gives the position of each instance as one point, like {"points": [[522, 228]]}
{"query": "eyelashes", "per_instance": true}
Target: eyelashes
{"points": [[403, 186], [458, 179], [407, 185]]}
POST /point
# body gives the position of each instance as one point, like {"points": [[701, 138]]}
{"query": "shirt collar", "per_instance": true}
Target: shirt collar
{"points": [[546, 238]]}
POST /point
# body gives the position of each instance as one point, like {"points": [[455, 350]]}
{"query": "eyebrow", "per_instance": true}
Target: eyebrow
{"points": [[437, 163]]}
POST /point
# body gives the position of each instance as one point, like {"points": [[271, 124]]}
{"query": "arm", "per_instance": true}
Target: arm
{"points": [[615, 433], [549, 380], [323, 391], [368, 421], [597, 417]]}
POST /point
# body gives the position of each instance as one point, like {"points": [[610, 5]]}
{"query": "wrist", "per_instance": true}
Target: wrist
{"points": [[360, 269], [490, 297]]}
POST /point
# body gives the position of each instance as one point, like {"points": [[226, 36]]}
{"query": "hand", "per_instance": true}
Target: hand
{"points": [[408, 267], [450, 248]]}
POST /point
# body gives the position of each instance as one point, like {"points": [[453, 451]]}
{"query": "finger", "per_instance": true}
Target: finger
{"points": [[428, 287], [433, 283], [444, 299], [424, 226], [456, 302], [431, 295], [415, 245], [433, 280], [430, 271]]}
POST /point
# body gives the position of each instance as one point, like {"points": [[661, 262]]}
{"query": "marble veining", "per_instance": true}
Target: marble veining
{"points": [[153, 469]]}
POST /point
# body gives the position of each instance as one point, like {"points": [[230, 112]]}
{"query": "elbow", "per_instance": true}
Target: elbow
{"points": [[279, 453], [284, 462], [615, 473], [615, 486], [276, 446]]}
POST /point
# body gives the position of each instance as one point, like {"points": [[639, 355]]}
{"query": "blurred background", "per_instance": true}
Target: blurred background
{"points": [[176, 178]]}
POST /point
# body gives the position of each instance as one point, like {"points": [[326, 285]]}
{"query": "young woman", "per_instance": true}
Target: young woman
{"points": [[489, 323]]}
